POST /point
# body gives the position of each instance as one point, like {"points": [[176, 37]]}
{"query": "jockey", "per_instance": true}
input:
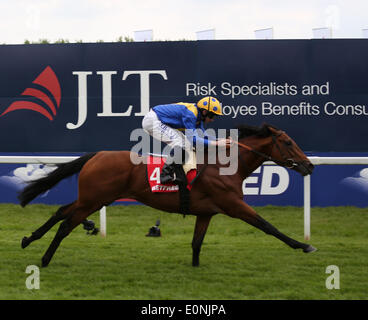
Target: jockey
{"points": [[167, 123]]}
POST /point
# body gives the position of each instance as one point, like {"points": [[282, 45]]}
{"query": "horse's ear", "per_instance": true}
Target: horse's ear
{"points": [[270, 129], [265, 130]]}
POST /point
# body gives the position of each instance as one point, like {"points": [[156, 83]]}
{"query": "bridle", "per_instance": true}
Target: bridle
{"points": [[286, 162]]}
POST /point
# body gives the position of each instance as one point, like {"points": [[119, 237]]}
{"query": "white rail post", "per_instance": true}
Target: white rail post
{"points": [[307, 206], [103, 221]]}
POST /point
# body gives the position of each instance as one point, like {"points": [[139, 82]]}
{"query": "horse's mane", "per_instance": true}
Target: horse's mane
{"points": [[263, 131]]}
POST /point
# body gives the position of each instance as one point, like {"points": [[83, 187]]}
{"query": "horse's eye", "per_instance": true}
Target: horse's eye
{"points": [[288, 143]]}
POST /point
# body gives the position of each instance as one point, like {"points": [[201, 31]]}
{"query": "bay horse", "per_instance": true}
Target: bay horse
{"points": [[106, 176]]}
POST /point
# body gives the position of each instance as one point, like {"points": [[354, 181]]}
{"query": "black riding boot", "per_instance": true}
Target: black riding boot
{"points": [[167, 173], [172, 171]]}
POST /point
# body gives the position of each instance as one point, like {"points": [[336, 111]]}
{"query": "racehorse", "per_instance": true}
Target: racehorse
{"points": [[106, 176]]}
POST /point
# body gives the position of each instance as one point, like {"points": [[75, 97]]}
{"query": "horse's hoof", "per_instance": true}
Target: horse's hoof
{"points": [[309, 249], [25, 242], [45, 262]]}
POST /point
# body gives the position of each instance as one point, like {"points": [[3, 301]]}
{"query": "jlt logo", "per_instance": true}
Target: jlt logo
{"points": [[262, 183], [106, 78], [44, 94]]}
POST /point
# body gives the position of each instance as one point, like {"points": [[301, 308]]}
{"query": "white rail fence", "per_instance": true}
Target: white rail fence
{"points": [[307, 179]]}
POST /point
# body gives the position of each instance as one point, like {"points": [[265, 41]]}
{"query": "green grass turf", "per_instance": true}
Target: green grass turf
{"points": [[238, 261]]}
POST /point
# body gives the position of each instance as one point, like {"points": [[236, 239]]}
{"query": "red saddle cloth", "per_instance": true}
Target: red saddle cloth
{"points": [[154, 167]]}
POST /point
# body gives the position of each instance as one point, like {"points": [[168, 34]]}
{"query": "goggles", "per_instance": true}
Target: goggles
{"points": [[211, 115]]}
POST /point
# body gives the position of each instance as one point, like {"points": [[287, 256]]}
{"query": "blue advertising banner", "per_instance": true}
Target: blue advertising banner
{"points": [[89, 97], [75, 98], [342, 185]]}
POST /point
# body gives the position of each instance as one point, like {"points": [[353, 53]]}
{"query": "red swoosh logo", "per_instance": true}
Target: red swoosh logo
{"points": [[48, 80], [27, 105]]}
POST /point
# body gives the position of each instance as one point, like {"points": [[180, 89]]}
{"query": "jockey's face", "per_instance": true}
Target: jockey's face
{"points": [[208, 116]]}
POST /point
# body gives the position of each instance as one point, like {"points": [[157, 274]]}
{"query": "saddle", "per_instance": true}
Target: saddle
{"points": [[154, 168]]}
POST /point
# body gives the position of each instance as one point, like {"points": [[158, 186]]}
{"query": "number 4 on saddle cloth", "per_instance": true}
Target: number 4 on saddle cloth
{"points": [[154, 167]]}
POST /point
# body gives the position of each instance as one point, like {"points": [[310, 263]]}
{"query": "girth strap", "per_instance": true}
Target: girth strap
{"points": [[184, 193]]}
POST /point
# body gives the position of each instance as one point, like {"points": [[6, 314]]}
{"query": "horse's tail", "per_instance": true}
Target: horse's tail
{"points": [[64, 170]]}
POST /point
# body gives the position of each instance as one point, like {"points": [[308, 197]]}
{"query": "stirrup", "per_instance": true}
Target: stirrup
{"points": [[167, 178], [180, 176], [171, 173], [167, 174]]}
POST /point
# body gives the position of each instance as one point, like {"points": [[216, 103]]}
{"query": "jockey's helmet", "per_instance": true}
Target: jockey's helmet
{"points": [[211, 104]]}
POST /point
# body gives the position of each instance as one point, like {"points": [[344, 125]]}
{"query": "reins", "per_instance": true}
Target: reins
{"points": [[244, 146], [288, 163]]}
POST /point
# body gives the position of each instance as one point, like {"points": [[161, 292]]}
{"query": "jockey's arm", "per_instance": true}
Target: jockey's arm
{"points": [[197, 135], [213, 141]]}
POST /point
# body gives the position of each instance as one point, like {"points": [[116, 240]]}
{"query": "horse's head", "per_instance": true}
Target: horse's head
{"points": [[285, 152], [281, 149]]}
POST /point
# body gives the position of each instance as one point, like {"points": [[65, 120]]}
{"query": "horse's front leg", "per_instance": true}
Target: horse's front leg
{"points": [[244, 212], [200, 230]]}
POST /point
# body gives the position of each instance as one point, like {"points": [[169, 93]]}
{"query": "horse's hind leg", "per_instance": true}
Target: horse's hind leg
{"points": [[61, 214], [247, 214], [76, 216]]}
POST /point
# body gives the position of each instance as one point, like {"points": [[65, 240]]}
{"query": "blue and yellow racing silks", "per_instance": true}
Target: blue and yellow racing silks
{"points": [[183, 116]]}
